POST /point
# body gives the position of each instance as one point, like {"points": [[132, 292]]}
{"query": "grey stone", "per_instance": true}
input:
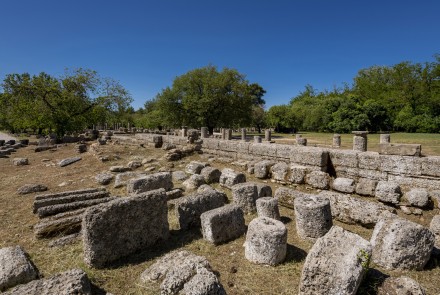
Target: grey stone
{"points": [[245, 196], [174, 194], [406, 210], [385, 138], [179, 176], [31, 188], [193, 182], [434, 227], [313, 216], [360, 143], [204, 282], [195, 167], [66, 240], [268, 207], [263, 190], [15, 267], [353, 210], [280, 171], [60, 208], [223, 224], [150, 182], [286, 196], [60, 226], [20, 161], [297, 174], [205, 188], [414, 150], [134, 164], [318, 179], [109, 235], [262, 169], [388, 192], [345, 185], [211, 175], [189, 208], [418, 197], [399, 244], [68, 193], [104, 178], [122, 179], [229, 177], [400, 286], [74, 281], [119, 168], [435, 196], [335, 264], [366, 187], [266, 241], [68, 161]]}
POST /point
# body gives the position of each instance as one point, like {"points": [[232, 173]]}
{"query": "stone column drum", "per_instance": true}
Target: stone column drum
{"points": [[243, 134], [268, 207], [385, 138], [228, 134], [360, 141], [266, 241], [313, 216], [257, 139], [337, 140], [204, 133], [184, 131], [267, 135], [301, 141]]}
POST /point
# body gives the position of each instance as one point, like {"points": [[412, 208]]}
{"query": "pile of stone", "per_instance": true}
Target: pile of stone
{"points": [[8, 147], [61, 213]]}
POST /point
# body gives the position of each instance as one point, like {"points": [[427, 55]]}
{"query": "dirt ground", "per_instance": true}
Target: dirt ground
{"points": [[237, 275]]}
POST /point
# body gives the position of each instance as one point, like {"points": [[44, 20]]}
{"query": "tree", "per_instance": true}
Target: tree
{"points": [[281, 118]]}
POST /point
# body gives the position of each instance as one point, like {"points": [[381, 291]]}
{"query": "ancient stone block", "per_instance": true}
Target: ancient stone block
{"points": [[310, 156], [369, 160], [346, 158], [193, 182], [280, 171], [15, 267], [263, 149], [434, 227], [119, 168], [104, 178], [69, 193], [366, 187], [284, 151], [262, 169], [266, 241], [400, 244], [195, 167], [189, 208], [318, 179], [245, 195], [211, 175], [150, 182], [414, 150], [417, 197], [263, 190], [59, 208], [313, 216], [56, 227], [60, 200], [335, 264], [68, 161], [360, 142], [286, 196], [223, 224], [31, 188], [229, 177], [268, 207], [122, 179], [297, 174], [109, 235], [401, 164], [388, 192], [20, 161], [431, 166], [134, 164], [400, 286], [345, 185]]}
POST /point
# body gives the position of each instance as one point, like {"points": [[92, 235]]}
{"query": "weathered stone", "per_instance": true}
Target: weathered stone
{"points": [[195, 167], [119, 168], [418, 197], [229, 177], [122, 179], [366, 187], [301, 141], [401, 165], [430, 166], [15, 267], [68, 193], [434, 227], [104, 178], [335, 264], [263, 190], [223, 224], [266, 241], [400, 286], [360, 141], [245, 195], [368, 161], [353, 210], [59, 208], [68, 161], [193, 182], [297, 174], [385, 138], [310, 156], [318, 179], [66, 240], [388, 192], [345, 185], [435, 196], [109, 235], [406, 210], [31, 188], [313, 216], [59, 200], [211, 175], [258, 139], [336, 140], [344, 158], [205, 188], [150, 182], [174, 194], [74, 281], [204, 282], [20, 161], [268, 207], [414, 150], [189, 208], [179, 176], [280, 171], [44, 148], [400, 244], [286, 196], [262, 169], [134, 164], [61, 226]]}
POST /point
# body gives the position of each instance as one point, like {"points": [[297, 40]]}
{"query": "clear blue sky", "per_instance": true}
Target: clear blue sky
{"points": [[282, 45]]}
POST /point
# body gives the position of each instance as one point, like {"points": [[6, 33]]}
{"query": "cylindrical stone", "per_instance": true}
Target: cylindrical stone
{"points": [[360, 143], [268, 207], [228, 134], [266, 241], [184, 131], [337, 140], [301, 141], [243, 134], [267, 135], [204, 132], [257, 139], [313, 216], [385, 138], [223, 131]]}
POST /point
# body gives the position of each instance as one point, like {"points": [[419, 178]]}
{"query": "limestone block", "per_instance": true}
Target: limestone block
{"points": [[31, 188], [193, 182], [335, 264], [134, 164], [268, 207], [109, 235], [400, 244], [372, 174], [414, 150], [262, 169], [313, 216], [417, 197], [434, 227], [263, 149], [118, 168], [345, 185], [369, 160], [178, 176], [297, 174], [15, 267], [245, 195], [68, 161], [284, 151], [311, 156], [104, 178], [266, 241], [400, 286], [223, 224], [347, 172], [150, 182], [431, 166], [415, 182], [388, 192], [229, 177], [122, 179], [286, 196], [366, 187], [280, 171], [346, 158], [195, 167], [318, 179], [189, 208], [20, 161], [263, 190], [435, 196], [401, 164], [210, 174]]}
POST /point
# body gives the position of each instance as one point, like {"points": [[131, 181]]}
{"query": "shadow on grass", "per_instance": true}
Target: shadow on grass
{"points": [[177, 239], [373, 279], [295, 254]]}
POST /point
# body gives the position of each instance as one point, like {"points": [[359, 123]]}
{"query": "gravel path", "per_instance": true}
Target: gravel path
{"points": [[6, 137]]}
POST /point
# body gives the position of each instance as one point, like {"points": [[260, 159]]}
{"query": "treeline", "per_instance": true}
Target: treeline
{"points": [[77, 100], [404, 97]]}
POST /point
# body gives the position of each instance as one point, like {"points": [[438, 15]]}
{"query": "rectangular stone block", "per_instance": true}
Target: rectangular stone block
{"points": [[343, 171], [431, 166], [407, 182], [401, 165], [284, 151], [263, 149], [373, 174], [242, 147], [223, 145], [414, 150], [369, 160], [124, 226], [347, 158], [211, 143], [310, 156], [150, 182]]}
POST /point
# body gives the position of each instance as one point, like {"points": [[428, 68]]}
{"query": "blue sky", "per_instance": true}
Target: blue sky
{"points": [[282, 45]]}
